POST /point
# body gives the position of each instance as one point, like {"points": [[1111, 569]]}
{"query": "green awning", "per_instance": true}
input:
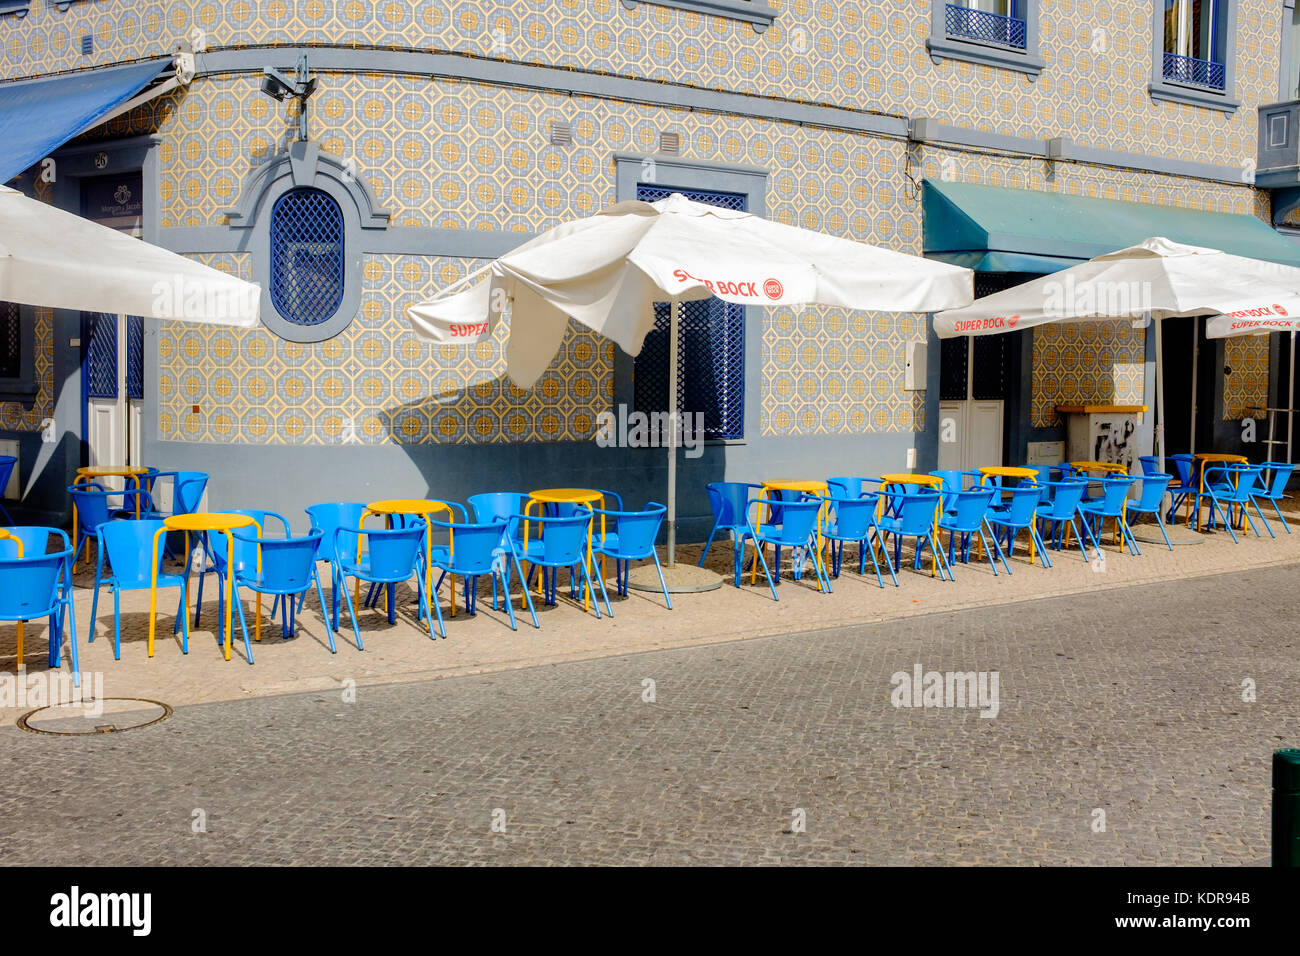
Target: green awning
{"points": [[992, 229]]}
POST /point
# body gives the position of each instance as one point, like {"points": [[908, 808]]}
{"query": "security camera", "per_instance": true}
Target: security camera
{"points": [[275, 84]]}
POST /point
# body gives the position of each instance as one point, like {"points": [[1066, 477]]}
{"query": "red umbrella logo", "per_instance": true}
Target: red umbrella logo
{"points": [[773, 289], [1279, 310]]}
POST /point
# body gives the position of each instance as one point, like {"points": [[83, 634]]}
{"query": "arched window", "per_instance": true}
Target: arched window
{"points": [[306, 284]]}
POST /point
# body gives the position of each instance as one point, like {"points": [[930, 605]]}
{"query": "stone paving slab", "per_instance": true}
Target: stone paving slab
{"points": [[785, 749], [640, 623]]}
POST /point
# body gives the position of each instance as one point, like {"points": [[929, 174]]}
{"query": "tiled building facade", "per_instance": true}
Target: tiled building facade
{"points": [[444, 114]]}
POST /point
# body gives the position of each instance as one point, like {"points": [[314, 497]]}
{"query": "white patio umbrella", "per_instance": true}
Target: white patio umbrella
{"points": [[1280, 319], [1158, 277], [55, 259], [608, 270]]}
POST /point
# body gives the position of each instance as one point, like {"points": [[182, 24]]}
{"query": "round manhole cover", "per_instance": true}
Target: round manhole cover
{"points": [[95, 716]]}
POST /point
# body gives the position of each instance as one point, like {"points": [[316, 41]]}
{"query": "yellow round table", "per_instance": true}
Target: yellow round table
{"points": [[418, 508], [202, 522], [566, 496], [1203, 458], [132, 472], [1024, 474], [921, 481], [1108, 467], [807, 486]]}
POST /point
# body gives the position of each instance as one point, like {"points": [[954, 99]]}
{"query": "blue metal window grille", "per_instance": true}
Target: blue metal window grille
{"points": [[134, 357], [711, 362], [306, 256], [1193, 43], [1188, 69], [99, 366], [11, 340], [983, 26]]}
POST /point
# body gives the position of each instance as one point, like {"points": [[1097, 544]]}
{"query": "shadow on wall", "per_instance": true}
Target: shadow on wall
{"points": [[494, 436]]}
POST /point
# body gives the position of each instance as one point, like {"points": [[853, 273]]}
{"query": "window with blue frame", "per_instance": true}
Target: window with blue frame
{"points": [[998, 33], [988, 21], [711, 347], [1194, 42], [306, 281]]}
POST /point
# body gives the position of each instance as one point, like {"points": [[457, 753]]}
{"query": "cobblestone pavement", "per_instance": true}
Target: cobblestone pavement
{"points": [[641, 623], [1126, 700]]}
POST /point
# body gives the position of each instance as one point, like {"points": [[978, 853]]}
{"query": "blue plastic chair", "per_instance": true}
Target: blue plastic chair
{"points": [[851, 486], [630, 536], [552, 543], [729, 501], [1274, 489], [1047, 476], [969, 516], [1184, 488], [1018, 515], [797, 529], [1062, 508], [25, 541], [1233, 486], [1152, 500], [7, 463], [94, 509], [326, 518], [501, 506], [187, 495], [474, 550], [288, 571], [953, 482], [129, 547], [911, 514], [853, 519], [389, 556], [1111, 504], [245, 555], [39, 584]]}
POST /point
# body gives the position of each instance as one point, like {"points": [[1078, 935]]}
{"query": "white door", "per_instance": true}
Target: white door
{"points": [[113, 345], [970, 428]]}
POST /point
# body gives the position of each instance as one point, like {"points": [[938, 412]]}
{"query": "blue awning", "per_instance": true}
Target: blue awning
{"points": [[39, 116], [996, 229]]}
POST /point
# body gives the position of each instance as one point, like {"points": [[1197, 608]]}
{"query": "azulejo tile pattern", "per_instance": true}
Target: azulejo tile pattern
{"points": [[1245, 391], [17, 417], [1086, 363], [462, 155], [376, 382], [1094, 88]]}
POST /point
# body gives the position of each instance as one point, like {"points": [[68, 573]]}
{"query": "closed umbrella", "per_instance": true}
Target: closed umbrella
{"points": [[58, 260], [1159, 277], [608, 270]]}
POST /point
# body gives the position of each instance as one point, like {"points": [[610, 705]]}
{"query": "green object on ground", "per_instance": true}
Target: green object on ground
{"points": [[1286, 807]]}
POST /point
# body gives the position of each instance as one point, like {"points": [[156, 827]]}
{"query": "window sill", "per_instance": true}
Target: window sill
{"points": [[1171, 92], [754, 12], [985, 54]]}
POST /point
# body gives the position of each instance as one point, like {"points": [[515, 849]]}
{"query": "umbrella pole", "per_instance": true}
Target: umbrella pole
{"points": [[1196, 360], [1160, 399], [673, 323]]}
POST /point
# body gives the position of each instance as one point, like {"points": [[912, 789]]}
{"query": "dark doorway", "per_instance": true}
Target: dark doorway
{"points": [[1180, 343]]}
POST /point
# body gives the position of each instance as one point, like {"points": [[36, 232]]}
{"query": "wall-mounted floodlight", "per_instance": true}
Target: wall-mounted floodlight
{"points": [[279, 86]]}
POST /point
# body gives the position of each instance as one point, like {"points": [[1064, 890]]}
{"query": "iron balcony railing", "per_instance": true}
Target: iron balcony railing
{"points": [[1188, 69], [985, 27]]}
